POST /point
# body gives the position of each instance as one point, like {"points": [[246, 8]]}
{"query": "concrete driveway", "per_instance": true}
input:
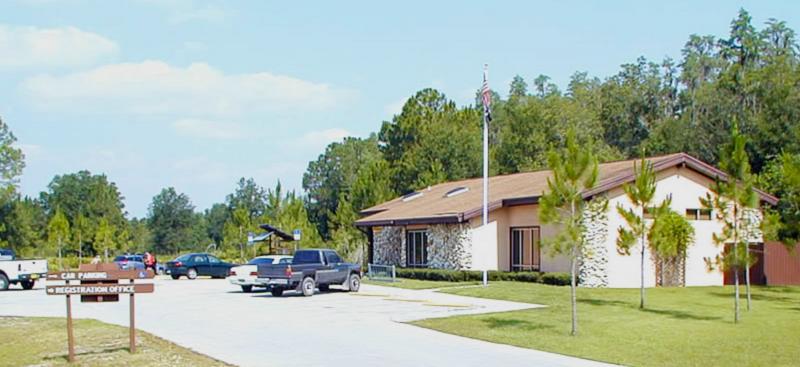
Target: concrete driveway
{"points": [[328, 329]]}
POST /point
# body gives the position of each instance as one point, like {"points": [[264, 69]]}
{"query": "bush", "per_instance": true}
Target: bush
{"points": [[446, 275], [556, 278]]}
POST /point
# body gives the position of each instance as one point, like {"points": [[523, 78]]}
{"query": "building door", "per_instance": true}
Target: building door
{"points": [[525, 249]]}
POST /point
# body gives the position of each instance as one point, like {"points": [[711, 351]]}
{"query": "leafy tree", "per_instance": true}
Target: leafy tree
{"points": [[249, 196], [371, 187], [518, 89], [431, 129], [346, 238], [731, 201], [11, 162], [140, 238], [81, 231], [171, 221], [574, 170], [782, 178], [236, 229], [104, 238], [334, 174], [58, 233], [670, 237], [215, 218], [641, 195], [84, 194], [23, 221]]}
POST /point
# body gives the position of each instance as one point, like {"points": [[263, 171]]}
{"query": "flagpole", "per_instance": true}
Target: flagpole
{"points": [[485, 164]]}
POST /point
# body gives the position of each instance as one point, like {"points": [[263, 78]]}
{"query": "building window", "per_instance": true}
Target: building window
{"points": [[525, 249], [698, 214], [417, 249]]}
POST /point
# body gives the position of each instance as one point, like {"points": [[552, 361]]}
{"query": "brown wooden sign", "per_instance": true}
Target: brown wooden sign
{"points": [[99, 283], [98, 289]]}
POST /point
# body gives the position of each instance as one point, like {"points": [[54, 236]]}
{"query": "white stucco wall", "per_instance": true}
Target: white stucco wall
{"points": [[686, 188], [484, 247], [522, 216]]}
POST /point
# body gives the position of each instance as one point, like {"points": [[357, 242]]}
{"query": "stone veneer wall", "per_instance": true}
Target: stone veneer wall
{"points": [[593, 269], [752, 218], [449, 246], [389, 246]]}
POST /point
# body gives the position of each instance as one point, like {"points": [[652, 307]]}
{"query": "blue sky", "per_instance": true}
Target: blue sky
{"points": [[195, 94]]}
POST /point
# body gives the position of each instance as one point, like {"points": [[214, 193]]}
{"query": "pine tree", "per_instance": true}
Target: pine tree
{"points": [[641, 194], [574, 170], [733, 200]]}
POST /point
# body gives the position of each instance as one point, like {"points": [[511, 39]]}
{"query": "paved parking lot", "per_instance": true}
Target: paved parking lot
{"points": [[328, 329]]}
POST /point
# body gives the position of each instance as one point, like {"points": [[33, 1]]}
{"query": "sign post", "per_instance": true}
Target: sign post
{"points": [[70, 337], [99, 283]]}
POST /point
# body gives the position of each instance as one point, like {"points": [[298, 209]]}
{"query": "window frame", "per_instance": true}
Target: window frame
{"points": [[697, 214], [536, 246], [411, 248]]}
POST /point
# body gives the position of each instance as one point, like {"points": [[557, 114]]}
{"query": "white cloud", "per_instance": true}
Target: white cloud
{"points": [[208, 129], [198, 90], [32, 47]]}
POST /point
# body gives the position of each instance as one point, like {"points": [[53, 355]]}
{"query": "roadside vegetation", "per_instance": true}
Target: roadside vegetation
{"points": [[680, 327], [41, 341]]}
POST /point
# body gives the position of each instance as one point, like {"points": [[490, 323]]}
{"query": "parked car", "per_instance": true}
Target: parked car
{"points": [[198, 264], [310, 269], [129, 262], [245, 275], [22, 272], [158, 268]]}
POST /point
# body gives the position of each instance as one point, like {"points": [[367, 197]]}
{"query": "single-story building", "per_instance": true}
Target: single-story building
{"points": [[441, 226]]}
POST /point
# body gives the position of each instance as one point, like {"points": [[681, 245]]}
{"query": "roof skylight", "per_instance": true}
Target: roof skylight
{"points": [[411, 196], [456, 191]]}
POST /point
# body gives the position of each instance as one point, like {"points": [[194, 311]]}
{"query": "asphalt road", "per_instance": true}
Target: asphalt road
{"points": [[328, 329]]}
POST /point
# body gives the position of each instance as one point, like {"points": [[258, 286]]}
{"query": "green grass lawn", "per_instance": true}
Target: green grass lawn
{"points": [[42, 341], [680, 326], [418, 284]]}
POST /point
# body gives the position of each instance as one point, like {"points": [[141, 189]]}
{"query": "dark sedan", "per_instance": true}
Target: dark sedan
{"points": [[194, 265]]}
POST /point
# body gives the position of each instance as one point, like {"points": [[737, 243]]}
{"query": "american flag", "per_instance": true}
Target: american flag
{"points": [[486, 95]]}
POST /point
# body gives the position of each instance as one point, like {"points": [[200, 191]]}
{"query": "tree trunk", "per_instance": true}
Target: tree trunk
{"points": [[747, 277], [573, 300], [641, 290], [736, 295], [60, 260], [573, 272]]}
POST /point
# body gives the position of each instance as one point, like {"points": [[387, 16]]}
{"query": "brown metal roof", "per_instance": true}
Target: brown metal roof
{"points": [[434, 206]]}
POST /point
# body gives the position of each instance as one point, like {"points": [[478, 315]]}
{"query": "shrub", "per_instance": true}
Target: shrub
{"points": [[447, 275], [556, 278]]}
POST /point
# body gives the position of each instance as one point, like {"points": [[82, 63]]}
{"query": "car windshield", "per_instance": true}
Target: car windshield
{"points": [[306, 257], [121, 258], [260, 260]]}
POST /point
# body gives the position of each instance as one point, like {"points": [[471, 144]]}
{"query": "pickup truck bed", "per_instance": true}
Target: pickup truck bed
{"points": [[23, 272], [310, 269]]}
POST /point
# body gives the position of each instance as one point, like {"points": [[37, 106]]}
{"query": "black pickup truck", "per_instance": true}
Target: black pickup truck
{"points": [[310, 269]]}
